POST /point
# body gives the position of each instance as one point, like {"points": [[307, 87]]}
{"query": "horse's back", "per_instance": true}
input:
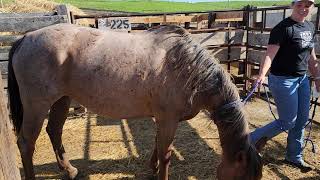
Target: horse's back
{"points": [[102, 70]]}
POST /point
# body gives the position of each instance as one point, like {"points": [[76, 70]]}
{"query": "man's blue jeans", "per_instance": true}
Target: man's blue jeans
{"points": [[292, 98]]}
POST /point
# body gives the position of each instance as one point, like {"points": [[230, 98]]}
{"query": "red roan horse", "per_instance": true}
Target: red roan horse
{"points": [[160, 73]]}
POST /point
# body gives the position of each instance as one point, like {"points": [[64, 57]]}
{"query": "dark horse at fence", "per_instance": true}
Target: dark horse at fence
{"points": [[160, 73]]}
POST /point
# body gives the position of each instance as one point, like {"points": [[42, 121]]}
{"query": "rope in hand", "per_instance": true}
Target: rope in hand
{"points": [[255, 86]]}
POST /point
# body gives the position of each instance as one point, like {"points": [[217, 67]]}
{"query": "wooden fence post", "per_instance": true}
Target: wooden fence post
{"points": [[63, 10], [8, 165]]}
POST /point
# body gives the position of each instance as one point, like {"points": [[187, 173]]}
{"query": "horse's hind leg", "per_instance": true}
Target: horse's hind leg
{"points": [[57, 116], [33, 117]]}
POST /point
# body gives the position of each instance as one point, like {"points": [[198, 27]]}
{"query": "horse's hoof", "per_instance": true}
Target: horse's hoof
{"points": [[76, 177], [74, 174]]}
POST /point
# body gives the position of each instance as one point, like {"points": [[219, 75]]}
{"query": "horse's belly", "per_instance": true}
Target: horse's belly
{"points": [[117, 89], [117, 107]]}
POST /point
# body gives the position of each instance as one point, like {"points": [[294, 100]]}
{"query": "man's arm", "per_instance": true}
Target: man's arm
{"points": [[266, 62]]}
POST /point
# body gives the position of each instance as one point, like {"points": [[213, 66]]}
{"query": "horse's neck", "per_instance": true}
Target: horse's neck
{"points": [[232, 138], [230, 120]]}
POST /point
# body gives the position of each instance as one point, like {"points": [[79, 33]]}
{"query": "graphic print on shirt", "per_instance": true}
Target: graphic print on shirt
{"points": [[306, 37]]}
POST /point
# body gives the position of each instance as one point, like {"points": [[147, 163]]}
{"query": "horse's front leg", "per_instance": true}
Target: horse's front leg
{"points": [[165, 133]]}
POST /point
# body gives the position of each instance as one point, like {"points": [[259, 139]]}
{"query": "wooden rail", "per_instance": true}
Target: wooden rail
{"points": [[178, 18], [26, 24]]}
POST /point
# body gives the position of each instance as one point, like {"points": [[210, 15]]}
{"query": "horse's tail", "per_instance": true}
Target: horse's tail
{"points": [[16, 108]]}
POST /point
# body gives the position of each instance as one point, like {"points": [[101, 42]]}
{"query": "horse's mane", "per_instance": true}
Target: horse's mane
{"points": [[204, 73]]}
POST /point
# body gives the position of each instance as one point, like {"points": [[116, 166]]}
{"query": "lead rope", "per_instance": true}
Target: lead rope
{"points": [[241, 102]]}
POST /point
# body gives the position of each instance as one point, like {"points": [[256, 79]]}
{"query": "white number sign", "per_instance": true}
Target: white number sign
{"points": [[114, 24]]}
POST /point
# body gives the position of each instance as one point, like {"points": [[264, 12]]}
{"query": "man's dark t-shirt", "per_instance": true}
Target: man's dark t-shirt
{"points": [[296, 40]]}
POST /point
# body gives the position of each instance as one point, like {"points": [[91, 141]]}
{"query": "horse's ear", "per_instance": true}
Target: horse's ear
{"points": [[241, 163]]}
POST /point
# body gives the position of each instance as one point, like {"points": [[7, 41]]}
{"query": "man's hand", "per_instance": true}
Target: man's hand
{"points": [[260, 80]]}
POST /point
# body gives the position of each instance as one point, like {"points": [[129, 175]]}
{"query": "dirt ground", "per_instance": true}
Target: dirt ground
{"points": [[120, 149]]}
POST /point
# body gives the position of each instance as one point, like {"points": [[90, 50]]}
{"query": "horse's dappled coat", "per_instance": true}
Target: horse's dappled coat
{"points": [[161, 73]]}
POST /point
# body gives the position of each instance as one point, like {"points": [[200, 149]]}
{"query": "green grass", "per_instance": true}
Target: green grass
{"points": [[161, 6], [147, 6], [6, 1]]}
